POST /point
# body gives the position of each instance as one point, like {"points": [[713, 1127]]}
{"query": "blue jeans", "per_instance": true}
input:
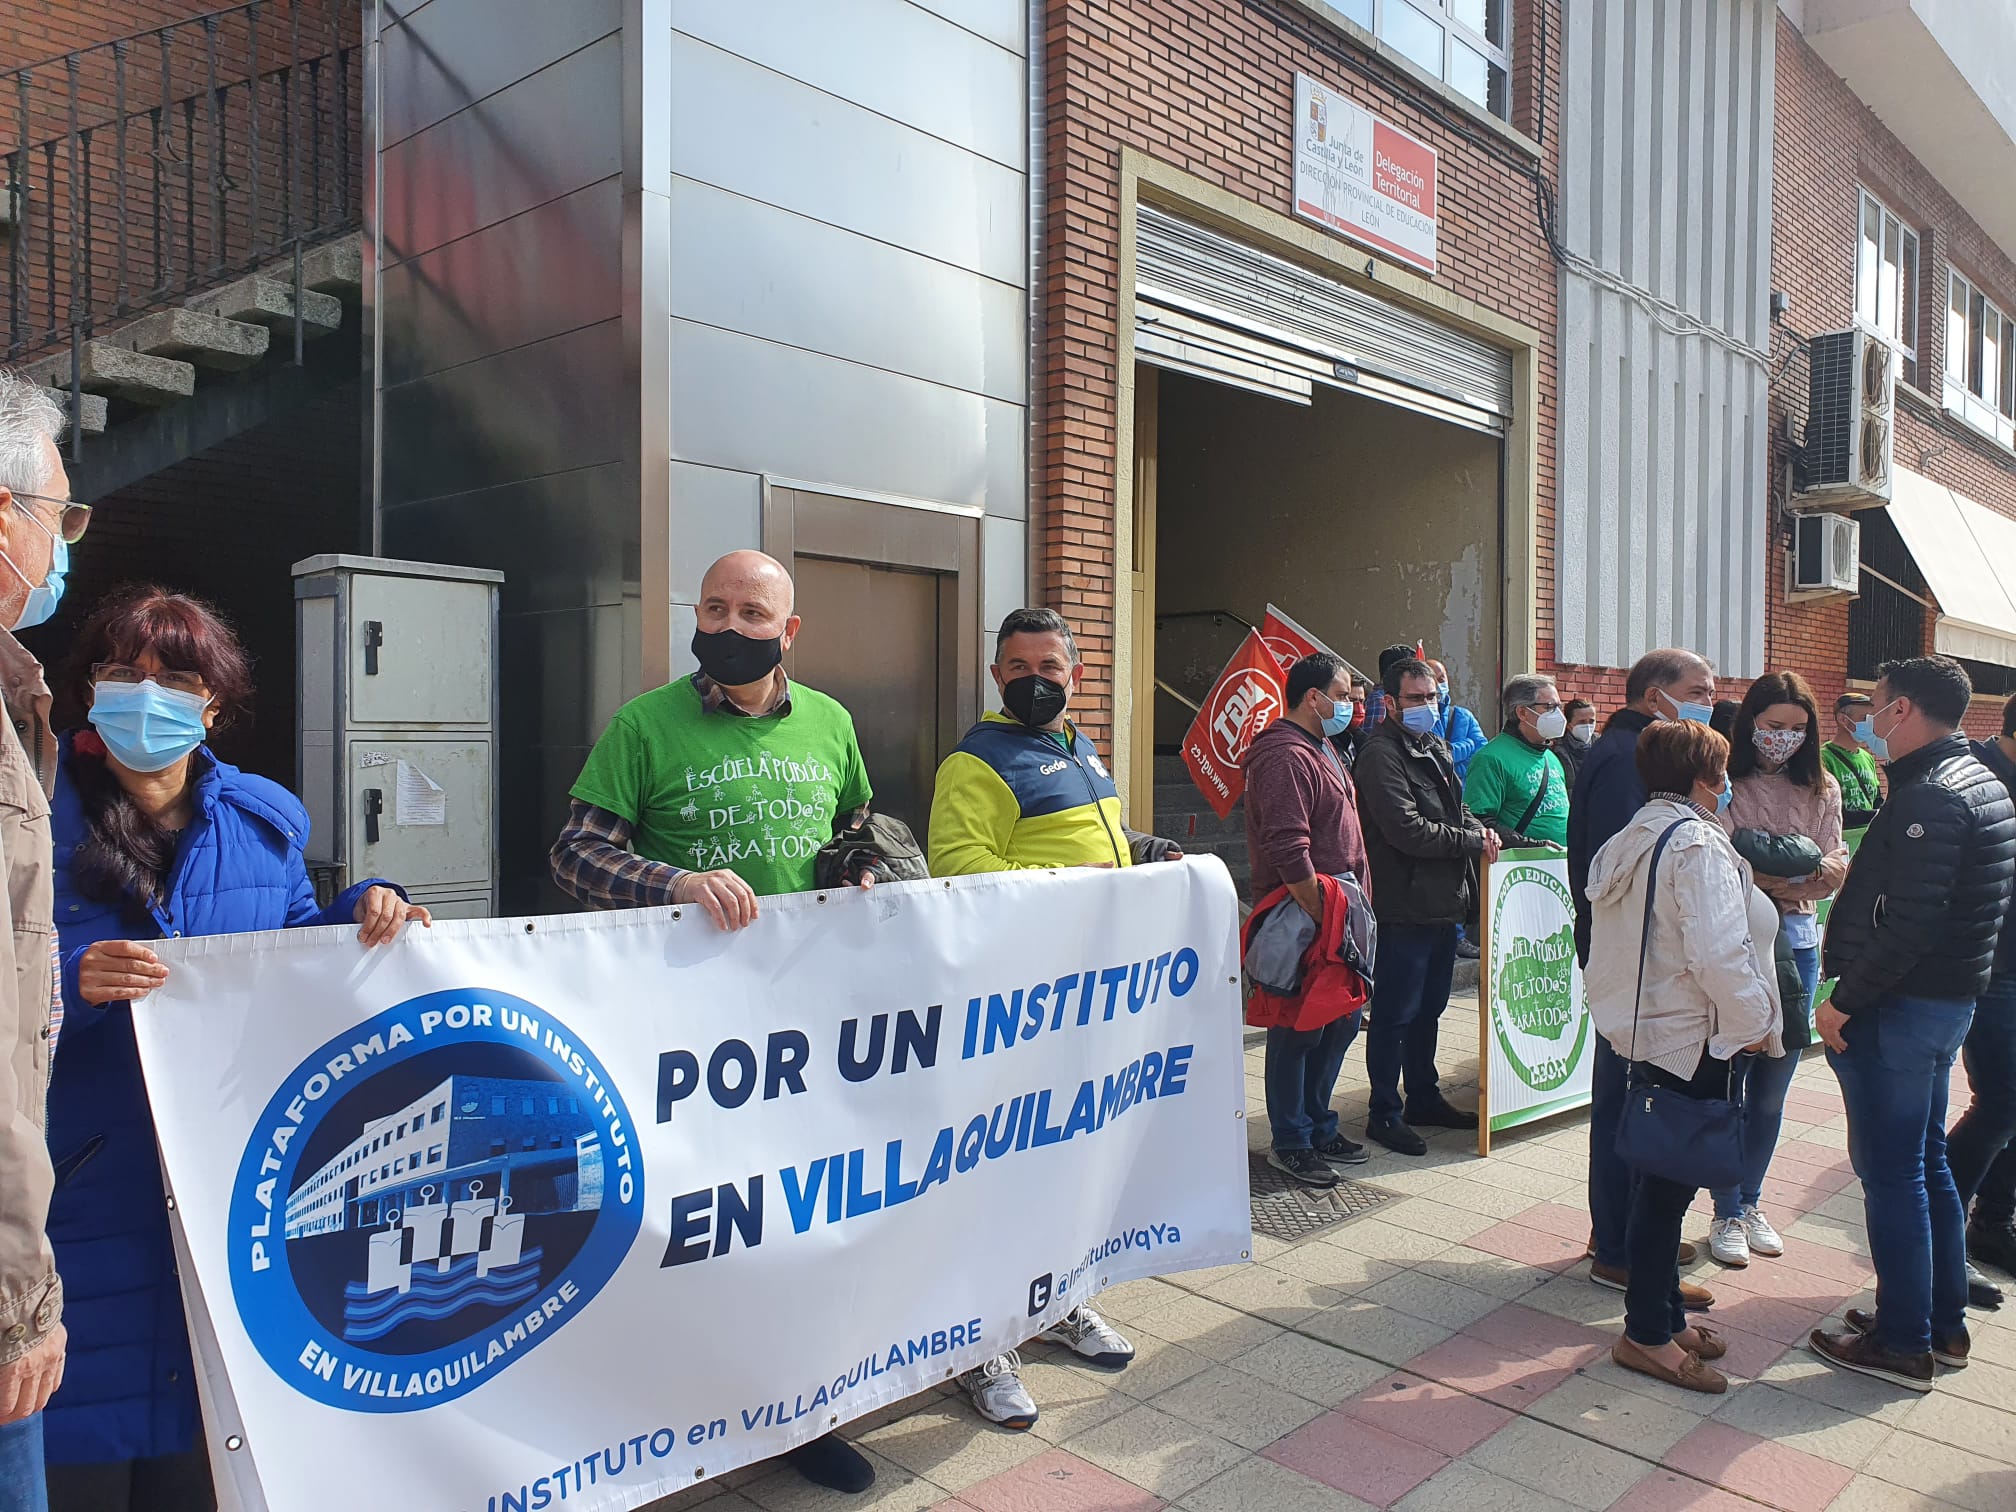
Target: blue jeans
{"points": [[1302, 1067], [1764, 1081], [1409, 991], [1610, 1180], [22, 1488], [1893, 1080], [1979, 1147]]}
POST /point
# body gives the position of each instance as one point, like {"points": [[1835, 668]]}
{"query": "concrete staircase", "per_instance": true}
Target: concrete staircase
{"points": [[155, 360], [1182, 815]]}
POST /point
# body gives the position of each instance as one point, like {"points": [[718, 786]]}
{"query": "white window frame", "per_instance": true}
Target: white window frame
{"points": [[1979, 383], [1870, 310], [1453, 31]]}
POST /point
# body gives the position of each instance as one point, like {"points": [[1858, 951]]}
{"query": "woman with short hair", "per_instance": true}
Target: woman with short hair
{"points": [[154, 837], [1783, 794], [1680, 982]]}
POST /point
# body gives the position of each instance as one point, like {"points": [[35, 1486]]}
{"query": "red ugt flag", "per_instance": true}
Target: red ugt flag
{"points": [[1246, 699]]}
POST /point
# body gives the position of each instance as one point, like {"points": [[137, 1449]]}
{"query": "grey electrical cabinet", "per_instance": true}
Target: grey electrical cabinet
{"points": [[397, 726]]}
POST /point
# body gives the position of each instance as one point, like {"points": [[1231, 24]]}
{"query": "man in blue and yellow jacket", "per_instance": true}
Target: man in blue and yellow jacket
{"points": [[1026, 789]]}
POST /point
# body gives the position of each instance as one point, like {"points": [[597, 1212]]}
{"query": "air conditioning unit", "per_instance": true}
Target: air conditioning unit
{"points": [[1826, 557], [1850, 420]]}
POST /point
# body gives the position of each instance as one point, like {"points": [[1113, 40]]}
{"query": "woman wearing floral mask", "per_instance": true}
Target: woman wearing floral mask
{"points": [[1785, 817], [154, 837]]}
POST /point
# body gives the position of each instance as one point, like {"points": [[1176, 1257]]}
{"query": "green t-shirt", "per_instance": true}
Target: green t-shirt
{"points": [[1503, 778], [1855, 769], [722, 791]]}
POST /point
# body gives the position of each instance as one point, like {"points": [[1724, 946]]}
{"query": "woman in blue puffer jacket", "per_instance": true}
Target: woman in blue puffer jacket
{"points": [[154, 838]]}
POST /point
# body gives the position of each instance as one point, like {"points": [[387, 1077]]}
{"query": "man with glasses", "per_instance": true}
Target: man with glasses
{"points": [[38, 524], [1517, 784], [1424, 846]]}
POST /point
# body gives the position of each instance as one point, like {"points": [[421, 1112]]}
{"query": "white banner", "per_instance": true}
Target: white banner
{"points": [[580, 1211], [1533, 1009]]}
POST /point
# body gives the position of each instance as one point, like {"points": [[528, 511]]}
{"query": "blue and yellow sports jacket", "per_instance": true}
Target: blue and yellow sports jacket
{"points": [[1011, 798]]}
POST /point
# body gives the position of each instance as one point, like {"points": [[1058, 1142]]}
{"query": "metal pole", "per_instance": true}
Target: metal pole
{"points": [[18, 313], [78, 192], [253, 241], [119, 203], [213, 101], [164, 140]]}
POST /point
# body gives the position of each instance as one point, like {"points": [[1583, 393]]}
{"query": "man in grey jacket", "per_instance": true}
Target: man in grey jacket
{"points": [[37, 522]]}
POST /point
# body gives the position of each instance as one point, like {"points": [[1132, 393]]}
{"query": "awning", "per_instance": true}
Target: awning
{"points": [[1967, 553]]}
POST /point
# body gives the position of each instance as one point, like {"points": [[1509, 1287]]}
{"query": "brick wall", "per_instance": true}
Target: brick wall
{"points": [[227, 525], [1208, 86], [1829, 144], [306, 119]]}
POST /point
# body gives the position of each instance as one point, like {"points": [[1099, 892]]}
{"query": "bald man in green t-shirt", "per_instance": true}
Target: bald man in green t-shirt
{"points": [[718, 789]]}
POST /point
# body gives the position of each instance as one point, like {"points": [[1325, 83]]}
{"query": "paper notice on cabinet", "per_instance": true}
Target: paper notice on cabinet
{"points": [[419, 799]]}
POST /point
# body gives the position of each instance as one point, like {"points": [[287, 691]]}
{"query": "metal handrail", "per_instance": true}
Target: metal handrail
{"points": [[1183, 698], [59, 183], [1182, 614]]}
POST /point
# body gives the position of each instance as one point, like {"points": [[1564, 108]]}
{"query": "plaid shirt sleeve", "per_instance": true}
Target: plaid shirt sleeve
{"points": [[55, 994], [592, 863]]}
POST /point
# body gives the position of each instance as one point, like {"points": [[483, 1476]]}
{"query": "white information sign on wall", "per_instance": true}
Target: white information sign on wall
{"points": [[580, 1211], [1360, 176]]}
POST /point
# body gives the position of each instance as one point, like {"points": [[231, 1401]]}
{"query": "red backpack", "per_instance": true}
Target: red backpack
{"points": [[1331, 987]]}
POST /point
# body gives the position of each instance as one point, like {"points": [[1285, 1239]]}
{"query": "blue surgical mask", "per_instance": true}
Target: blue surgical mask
{"points": [[1442, 694], [43, 597], [1865, 732], [1700, 713], [1338, 720], [1420, 719], [146, 727], [1727, 796]]}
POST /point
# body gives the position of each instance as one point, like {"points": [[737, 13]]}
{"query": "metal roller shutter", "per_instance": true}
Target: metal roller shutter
{"points": [[1210, 306]]}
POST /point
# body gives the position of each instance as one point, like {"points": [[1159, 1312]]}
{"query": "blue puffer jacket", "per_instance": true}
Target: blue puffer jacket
{"points": [[129, 1389]]}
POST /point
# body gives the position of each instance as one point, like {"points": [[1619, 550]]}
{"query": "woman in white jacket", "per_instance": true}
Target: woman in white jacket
{"points": [[1709, 992]]}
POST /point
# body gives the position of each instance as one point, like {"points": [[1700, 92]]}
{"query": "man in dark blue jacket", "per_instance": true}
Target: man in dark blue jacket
{"points": [[1664, 684], [1981, 1147]]}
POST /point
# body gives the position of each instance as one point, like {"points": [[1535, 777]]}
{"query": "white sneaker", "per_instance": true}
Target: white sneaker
{"points": [[1763, 1239], [1092, 1338], [998, 1393], [1728, 1242]]}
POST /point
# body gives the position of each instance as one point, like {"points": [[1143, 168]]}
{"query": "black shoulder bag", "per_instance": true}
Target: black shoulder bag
{"points": [[1546, 782], [1691, 1141]]}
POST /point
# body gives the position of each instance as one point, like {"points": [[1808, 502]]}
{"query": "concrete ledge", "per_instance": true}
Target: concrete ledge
{"points": [[334, 267], [93, 408], [208, 341], [266, 302], [123, 374]]}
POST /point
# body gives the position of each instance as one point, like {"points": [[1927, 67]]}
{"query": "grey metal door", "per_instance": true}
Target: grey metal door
{"points": [[889, 596], [872, 639]]}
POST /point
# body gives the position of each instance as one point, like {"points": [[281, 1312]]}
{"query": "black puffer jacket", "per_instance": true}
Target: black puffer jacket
{"points": [[2005, 953], [1423, 844], [1925, 899]]}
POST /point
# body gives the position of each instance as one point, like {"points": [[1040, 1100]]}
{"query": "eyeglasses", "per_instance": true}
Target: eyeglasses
{"points": [[176, 682], [72, 519]]}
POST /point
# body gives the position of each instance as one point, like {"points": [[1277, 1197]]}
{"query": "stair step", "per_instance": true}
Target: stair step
{"points": [[208, 341], [335, 267], [105, 368], [92, 407], [270, 303]]}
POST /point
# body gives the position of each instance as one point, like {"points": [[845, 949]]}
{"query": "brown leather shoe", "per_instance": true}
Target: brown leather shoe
{"points": [[1693, 1298], [1861, 1352], [1708, 1344], [1950, 1351], [1688, 1253], [1693, 1374]]}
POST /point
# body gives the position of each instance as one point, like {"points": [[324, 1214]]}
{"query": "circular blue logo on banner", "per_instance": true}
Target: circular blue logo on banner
{"points": [[429, 1196]]}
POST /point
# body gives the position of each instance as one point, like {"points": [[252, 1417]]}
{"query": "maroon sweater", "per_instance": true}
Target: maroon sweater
{"points": [[1301, 812]]}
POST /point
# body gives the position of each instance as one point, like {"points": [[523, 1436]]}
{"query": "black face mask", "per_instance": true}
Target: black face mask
{"points": [[1036, 701], [735, 660]]}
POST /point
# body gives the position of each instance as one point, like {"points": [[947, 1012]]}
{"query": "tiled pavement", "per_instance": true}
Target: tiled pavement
{"points": [[1446, 1353]]}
